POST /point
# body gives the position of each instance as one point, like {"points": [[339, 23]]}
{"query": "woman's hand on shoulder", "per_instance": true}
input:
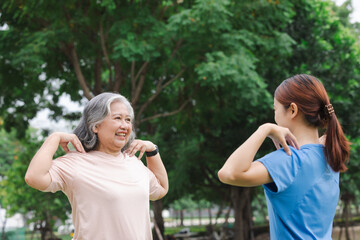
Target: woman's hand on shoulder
{"points": [[322, 139], [281, 137], [66, 138], [140, 146]]}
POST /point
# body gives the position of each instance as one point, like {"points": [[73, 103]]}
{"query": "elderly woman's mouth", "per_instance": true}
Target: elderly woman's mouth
{"points": [[120, 134]]}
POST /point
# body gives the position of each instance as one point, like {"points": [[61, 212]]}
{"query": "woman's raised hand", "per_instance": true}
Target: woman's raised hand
{"points": [[66, 138], [140, 146], [282, 137]]}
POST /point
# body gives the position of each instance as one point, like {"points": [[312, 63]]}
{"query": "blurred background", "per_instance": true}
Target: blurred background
{"points": [[200, 75]]}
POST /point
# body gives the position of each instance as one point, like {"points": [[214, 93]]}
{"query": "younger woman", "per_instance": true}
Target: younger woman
{"points": [[301, 181]]}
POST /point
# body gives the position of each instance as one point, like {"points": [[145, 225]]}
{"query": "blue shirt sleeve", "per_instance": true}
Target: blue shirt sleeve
{"points": [[282, 169]]}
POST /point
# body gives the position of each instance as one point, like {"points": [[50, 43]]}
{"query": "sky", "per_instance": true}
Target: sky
{"points": [[42, 118], [355, 16]]}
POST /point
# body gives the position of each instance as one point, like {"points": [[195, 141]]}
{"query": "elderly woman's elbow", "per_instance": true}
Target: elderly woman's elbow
{"points": [[163, 194], [35, 182], [29, 180], [160, 196]]}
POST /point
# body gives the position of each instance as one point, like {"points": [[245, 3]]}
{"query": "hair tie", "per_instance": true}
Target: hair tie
{"points": [[330, 109]]}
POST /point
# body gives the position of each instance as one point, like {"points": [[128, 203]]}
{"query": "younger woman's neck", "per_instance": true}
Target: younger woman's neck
{"points": [[305, 134]]}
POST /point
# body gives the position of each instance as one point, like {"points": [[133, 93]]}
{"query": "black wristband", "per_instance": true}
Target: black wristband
{"points": [[152, 153]]}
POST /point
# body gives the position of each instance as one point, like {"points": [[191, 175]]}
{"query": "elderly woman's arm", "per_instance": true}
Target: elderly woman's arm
{"points": [[37, 174], [154, 163]]}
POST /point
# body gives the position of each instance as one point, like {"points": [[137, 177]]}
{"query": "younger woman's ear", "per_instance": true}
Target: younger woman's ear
{"points": [[294, 110]]}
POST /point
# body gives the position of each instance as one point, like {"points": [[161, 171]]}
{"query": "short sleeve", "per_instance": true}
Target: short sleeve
{"points": [[154, 186], [282, 169], [61, 173]]}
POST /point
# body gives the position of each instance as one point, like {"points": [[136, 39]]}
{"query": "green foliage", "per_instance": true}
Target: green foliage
{"points": [[18, 197], [185, 203], [193, 229], [9, 150], [215, 63]]}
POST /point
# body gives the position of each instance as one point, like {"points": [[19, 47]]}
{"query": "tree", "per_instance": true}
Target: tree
{"points": [[8, 153], [329, 49], [281, 40], [209, 66], [153, 52], [42, 209], [90, 47]]}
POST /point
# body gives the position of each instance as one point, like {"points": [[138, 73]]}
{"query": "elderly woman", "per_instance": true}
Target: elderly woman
{"points": [[107, 186]]}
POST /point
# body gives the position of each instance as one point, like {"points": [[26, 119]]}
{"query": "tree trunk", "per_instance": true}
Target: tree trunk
{"points": [[241, 201], [176, 217], [159, 221], [210, 216], [181, 217], [45, 235], [347, 198], [199, 211], [191, 217], [3, 227], [227, 215], [346, 216], [220, 210]]}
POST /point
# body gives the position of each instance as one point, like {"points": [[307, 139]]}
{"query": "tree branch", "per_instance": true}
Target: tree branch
{"points": [[141, 70], [107, 60], [138, 90], [66, 51], [177, 46], [97, 74], [133, 78], [118, 77], [211, 181], [159, 88], [166, 114], [173, 79], [135, 92], [163, 10], [79, 75]]}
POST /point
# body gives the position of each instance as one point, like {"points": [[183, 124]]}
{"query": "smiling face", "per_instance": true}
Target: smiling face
{"points": [[114, 131]]}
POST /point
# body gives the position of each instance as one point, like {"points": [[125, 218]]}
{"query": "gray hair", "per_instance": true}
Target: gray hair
{"points": [[94, 113]]}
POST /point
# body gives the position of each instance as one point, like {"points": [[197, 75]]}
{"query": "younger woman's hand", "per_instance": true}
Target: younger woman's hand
{"points": [[282, 137], [322, 139], [140, 146]]}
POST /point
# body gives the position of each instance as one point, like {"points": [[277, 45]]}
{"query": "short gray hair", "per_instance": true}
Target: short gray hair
{"points": [[94, 113]]}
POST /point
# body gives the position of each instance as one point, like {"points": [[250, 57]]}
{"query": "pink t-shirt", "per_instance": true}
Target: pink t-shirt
{"points": [[109, 195]]}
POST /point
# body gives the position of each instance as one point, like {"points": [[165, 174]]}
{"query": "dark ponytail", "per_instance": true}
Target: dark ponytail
{"points": [[308, 93], [337, 148]]}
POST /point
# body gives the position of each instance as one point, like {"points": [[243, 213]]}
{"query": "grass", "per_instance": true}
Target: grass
{"points": [[173, 230], [37, 236]]}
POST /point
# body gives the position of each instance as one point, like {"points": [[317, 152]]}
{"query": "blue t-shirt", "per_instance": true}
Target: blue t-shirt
{"points": [[304, 195]]}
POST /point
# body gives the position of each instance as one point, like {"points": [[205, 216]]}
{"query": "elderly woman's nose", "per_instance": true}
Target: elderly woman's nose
{"points": [[124, 124]]}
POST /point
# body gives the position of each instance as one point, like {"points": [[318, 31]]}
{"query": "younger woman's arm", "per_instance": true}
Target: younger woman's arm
{"points": [[240, 170]]}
